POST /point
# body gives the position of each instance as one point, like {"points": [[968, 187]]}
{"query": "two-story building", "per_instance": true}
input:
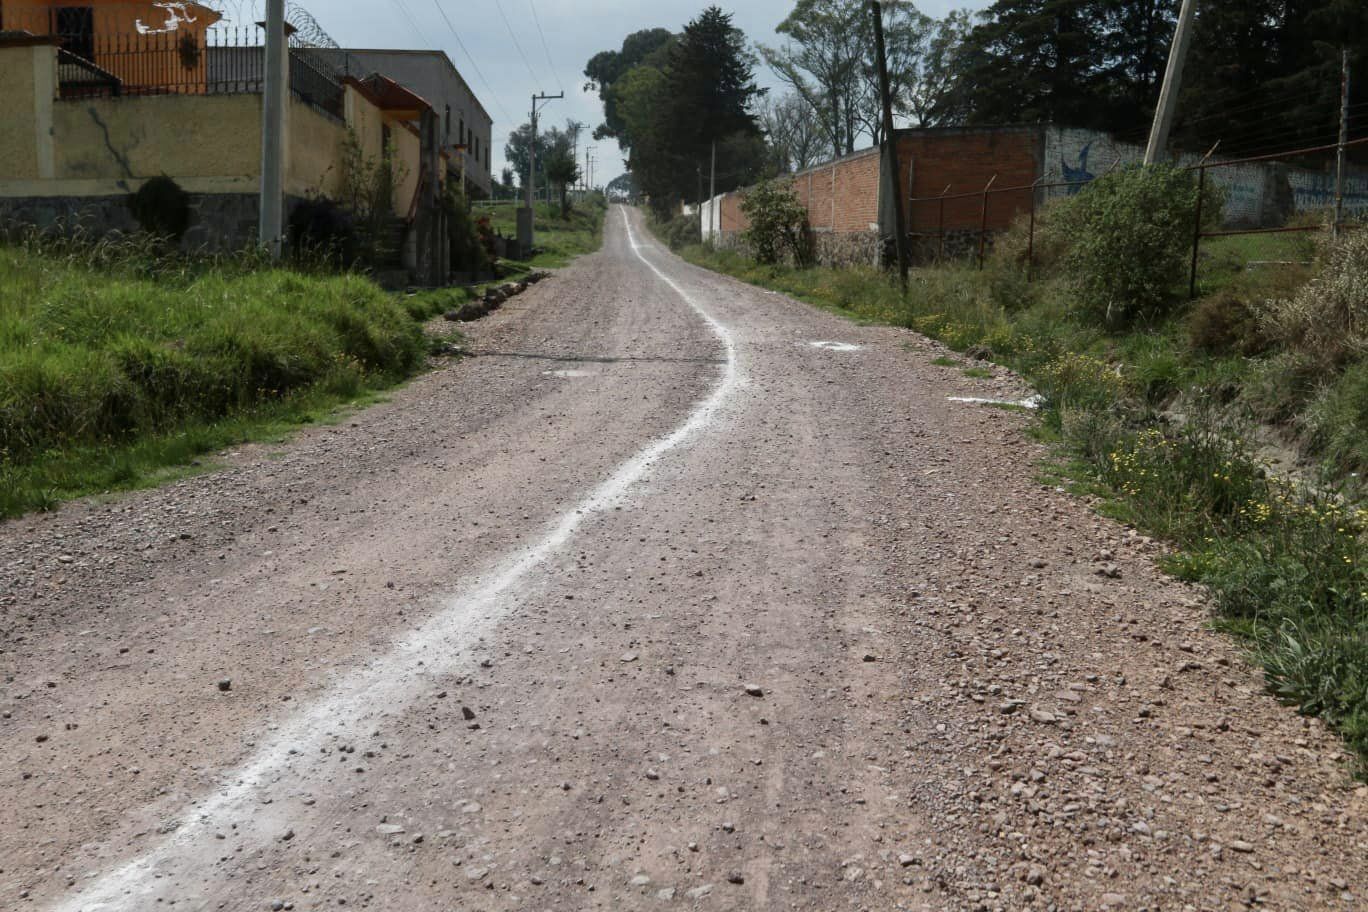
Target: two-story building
{"points": [[466, 126]]}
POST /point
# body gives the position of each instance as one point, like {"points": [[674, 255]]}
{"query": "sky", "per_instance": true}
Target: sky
{"points": [[510, 60]]}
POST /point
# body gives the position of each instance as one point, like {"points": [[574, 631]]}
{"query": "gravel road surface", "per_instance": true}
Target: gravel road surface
{"points": [[679, 594]]}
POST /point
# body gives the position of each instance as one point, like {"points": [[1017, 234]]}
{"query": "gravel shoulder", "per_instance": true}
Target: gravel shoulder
{"points": [[974, 692]]}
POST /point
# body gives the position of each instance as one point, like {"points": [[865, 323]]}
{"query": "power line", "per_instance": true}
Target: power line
{"points": [[457, 35], [412, 22], [508, 25], [545, 46]]}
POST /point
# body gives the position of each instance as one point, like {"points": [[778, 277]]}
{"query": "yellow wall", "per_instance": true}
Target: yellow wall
{"points": [[184, 136], [314, 152], [367, 120], [407, 166], [20, 104]]}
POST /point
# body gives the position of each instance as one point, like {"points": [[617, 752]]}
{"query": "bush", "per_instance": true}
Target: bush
{"points": [[320, 227], [161, 208], [468, 252], [1226, 323], [1336, 424], [1128, 232], [681, 231], [778, 224], [1328, 318]]}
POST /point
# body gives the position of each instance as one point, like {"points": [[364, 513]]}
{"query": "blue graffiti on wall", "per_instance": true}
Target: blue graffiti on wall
{"points": [[1077, 176]]}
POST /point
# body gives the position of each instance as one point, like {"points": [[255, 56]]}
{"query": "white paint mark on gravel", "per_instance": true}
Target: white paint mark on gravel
{"points": [[1030, 402], [836, 346], [384, 687], [567, 374]]}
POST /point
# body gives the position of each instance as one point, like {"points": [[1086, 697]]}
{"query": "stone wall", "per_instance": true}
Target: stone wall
{"points": [[219, 223]]}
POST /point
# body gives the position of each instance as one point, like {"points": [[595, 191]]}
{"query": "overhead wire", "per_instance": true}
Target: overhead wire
{"points": [[511, 34], [407, 14], [545, 47], [471, 57]]}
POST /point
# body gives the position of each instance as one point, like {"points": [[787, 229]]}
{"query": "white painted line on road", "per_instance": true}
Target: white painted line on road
{"points": [[836, 346], [291, 753], [567, 373], [1030, 402]]}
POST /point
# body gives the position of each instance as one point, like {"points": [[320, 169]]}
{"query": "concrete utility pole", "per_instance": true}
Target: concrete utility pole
{"points": [[588, 170], [890, 147], [526, 231], [271, 208], [1340, 153], [1173, 81]]}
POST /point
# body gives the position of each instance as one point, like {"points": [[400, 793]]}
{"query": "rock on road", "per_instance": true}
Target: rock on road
{"points": [[657, 602]]}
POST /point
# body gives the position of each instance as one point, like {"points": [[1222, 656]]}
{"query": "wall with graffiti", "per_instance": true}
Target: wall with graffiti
{"points": [[1261, 193]]}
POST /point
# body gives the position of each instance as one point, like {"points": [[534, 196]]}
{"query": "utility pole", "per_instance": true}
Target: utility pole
{"points": [[1343, 141], [526, 230], [891, 147], [271, 208], [588, 170], [1173, 81]]}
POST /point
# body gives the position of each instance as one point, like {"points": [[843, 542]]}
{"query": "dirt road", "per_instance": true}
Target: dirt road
{"points": [[679, 595]]}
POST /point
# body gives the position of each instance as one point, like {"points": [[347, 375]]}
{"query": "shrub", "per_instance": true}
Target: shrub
{"points": [[681, 231], [320, 227], [778, 224], [468, 252], [1337, 422], [1128, 232], [161, 208], [1226, 323], [1328, 318]]}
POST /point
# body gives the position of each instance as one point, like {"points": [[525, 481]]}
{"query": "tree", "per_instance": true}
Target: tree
{"points": [[822, 62], [688, 94], [519, 148], [607, 67], [562, 170], [934, 96], [791, 127]]}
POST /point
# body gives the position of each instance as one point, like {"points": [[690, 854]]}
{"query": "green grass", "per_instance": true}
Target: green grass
{"points": [[558, 240], [943, 361], [977, 373], [117, 367], [1287, 566]]}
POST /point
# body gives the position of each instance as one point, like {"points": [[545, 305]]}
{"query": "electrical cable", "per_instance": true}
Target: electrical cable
{"points": [[511, 34], [545, 46], [457, 35]]}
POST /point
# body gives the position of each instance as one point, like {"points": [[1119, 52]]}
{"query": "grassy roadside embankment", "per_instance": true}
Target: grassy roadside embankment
{"points": [[559, 240], [118, 368], [1160, 417]]}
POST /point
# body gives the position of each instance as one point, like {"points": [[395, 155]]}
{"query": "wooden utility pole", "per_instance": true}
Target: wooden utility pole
{"points": [[890, 147], [1340, 153], [271, 224], [1173, 81]]}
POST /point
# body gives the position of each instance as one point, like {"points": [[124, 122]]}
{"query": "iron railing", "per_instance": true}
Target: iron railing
{"points": [[221, 61]]}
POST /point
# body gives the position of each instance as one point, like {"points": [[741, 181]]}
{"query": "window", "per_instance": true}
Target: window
{"points": [[463, 136], [75, 26]]}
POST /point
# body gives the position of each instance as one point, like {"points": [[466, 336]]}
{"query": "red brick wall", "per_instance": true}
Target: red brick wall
{"points": [[856, 190], [966, 159]]}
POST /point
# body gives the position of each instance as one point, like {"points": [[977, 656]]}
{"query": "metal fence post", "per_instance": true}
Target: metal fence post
{"points": [[1197, 231], [940, 251], [983, 222], [1030, 237]]}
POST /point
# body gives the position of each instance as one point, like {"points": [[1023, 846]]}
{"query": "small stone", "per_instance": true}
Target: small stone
{"points": [[699, 892], [389, 829], [666, 894], [728, 827], [1043, 717], [736, 877], [1035, 875], [474, 874], [754, 690], [870, 657], [287, 836], [1113, 899], [640, 880], [907, 860], [277, 905], [652, 775], [417, 838], [225, 685], [467, 713], [1239, 845], [628, 657]]}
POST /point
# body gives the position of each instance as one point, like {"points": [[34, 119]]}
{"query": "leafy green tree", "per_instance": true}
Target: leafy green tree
{"points": [[777, 220], [607, 67], [689, 93], [562, 170]]}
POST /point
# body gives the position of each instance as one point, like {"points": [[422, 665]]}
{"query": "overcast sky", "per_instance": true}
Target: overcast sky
{"points": [[510, 60]]}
